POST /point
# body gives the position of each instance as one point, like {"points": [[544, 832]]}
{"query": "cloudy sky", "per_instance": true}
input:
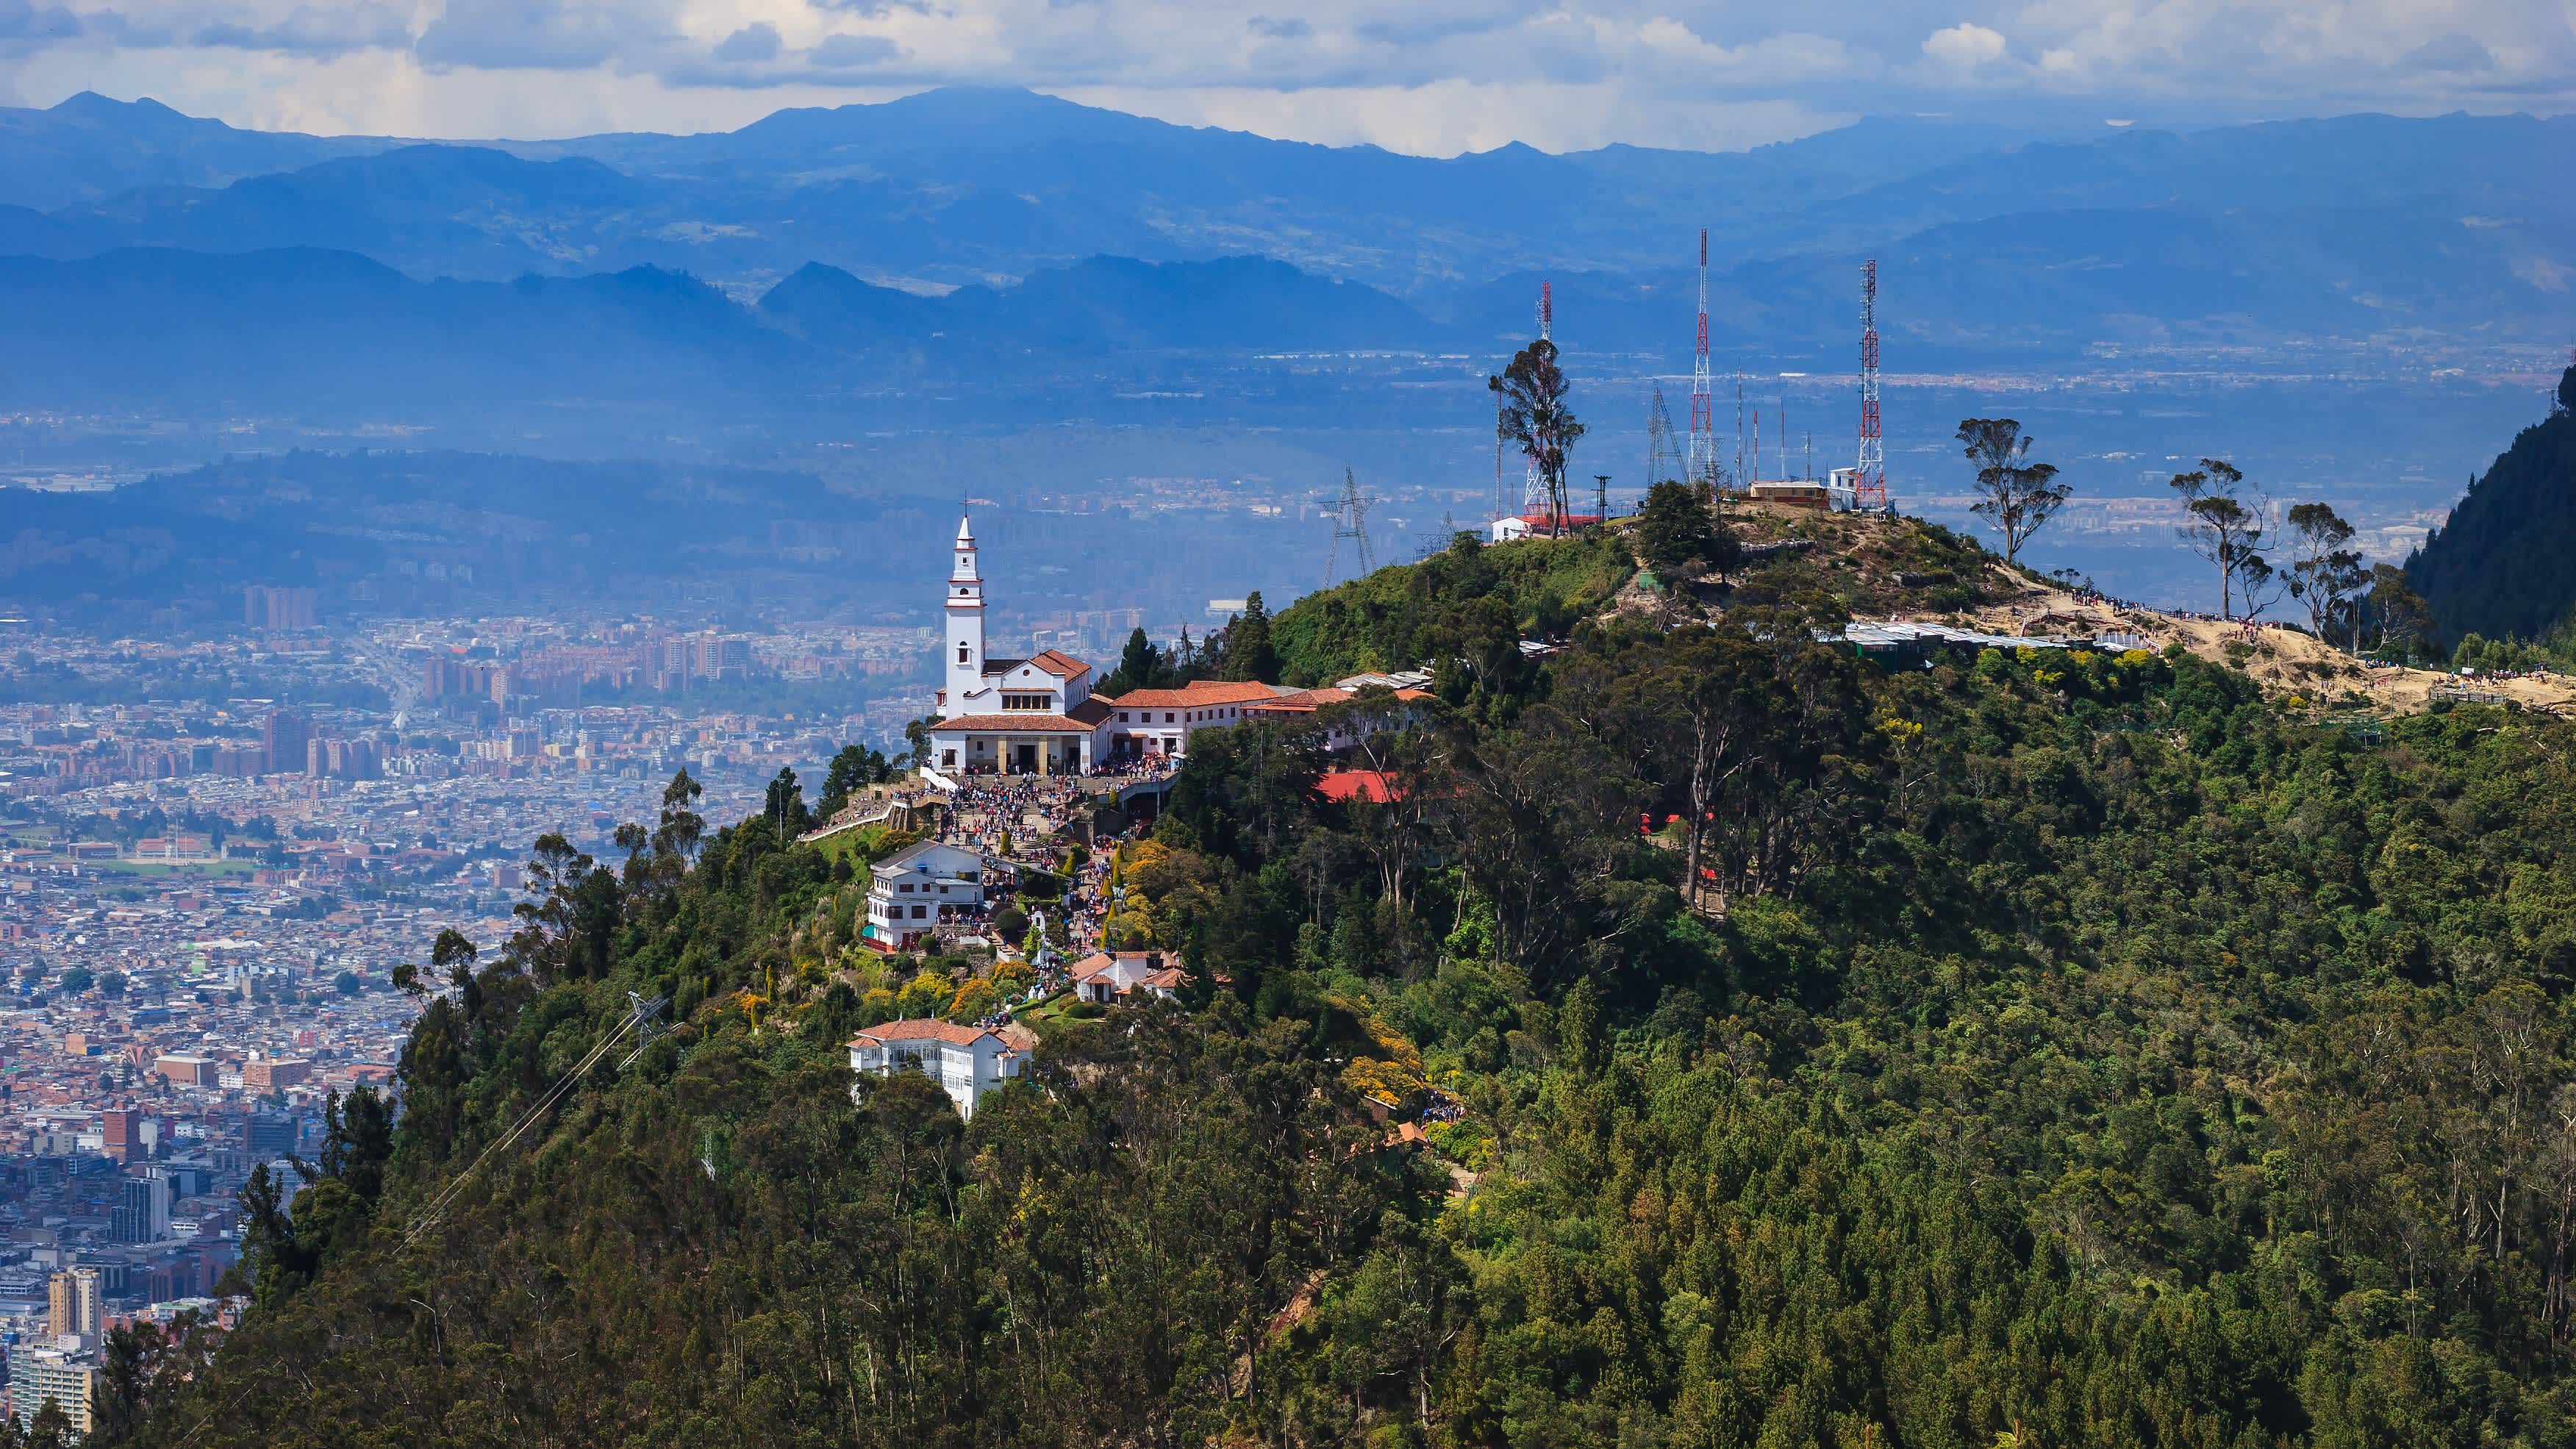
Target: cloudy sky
{"points": [[1430, 76]]}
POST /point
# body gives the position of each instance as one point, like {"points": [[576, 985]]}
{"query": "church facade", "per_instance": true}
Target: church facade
{"points": [[1038, 716]]}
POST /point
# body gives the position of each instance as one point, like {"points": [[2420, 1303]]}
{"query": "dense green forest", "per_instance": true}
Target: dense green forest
{"points": [[2500, 567], [2042, 1048]]}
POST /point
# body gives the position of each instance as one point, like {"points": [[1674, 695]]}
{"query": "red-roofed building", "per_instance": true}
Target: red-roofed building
{"points": [[1401, 707], [1104, 976], [1374, 785], [1038, 716], [967, 1061], [1536, 525], [1161, 721]]}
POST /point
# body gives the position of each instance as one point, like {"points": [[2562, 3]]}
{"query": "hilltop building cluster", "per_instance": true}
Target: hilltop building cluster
{"points": [[1039, 716]]}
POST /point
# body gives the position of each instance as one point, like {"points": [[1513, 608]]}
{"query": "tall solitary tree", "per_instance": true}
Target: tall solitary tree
{"points": [[1531, 412], [1249, 653], [2326, 575], [2018, 495], [1140, 667], [2220, 528]]}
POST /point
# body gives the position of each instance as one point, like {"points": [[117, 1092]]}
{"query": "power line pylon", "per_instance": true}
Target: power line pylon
{"points": [[1663, 463], [1350, 520]]}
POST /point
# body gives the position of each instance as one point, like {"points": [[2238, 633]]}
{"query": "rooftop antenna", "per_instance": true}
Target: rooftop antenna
{"points": [[1808, 469], [1869, 473], [1350, 520], [1703, 433]]}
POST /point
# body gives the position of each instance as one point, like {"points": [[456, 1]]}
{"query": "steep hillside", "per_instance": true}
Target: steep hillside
{"points": [[1707, 1038], [2502, 567]]}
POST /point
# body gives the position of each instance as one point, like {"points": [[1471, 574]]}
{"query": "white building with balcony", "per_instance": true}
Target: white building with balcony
{"points": [[967, 1061], [915, 889]]}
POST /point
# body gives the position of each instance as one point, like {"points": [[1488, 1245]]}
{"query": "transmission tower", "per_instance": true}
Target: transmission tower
{"points": [[1740, 475], [1703, 433], [1869, 476], [1536, 501], [1662, 458], [1350, 521]]}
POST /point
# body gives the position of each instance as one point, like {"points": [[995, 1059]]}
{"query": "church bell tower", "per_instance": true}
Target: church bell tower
{"points": [[965, 609]]}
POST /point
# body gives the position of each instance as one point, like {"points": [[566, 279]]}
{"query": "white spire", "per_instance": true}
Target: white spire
{"points": [[965, 533]]}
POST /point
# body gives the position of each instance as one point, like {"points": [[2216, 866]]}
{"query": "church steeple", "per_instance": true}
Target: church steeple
{"points": [[965, 610]]}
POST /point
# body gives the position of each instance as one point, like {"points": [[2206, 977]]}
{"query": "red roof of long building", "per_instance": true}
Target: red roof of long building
{"points": [[1026, 724], [1196, 694]]}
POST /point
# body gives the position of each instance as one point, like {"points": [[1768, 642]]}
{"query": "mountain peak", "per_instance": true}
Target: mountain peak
{"points": [[92, 105]]}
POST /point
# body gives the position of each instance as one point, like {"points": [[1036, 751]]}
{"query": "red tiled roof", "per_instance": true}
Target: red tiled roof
{"points": [[1090, 712], [1357, 785], [1061, 664], [1196, 694], [1031, 723], [922, 1029]]}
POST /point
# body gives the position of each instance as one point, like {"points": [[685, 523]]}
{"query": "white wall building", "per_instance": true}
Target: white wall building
{"points": [[967, 1061], [1038, 716], [911, 891], [1104, 976]]}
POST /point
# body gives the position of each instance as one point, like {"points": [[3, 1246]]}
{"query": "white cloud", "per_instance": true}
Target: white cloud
{"points": [[1427, 74], [1965, 46]]}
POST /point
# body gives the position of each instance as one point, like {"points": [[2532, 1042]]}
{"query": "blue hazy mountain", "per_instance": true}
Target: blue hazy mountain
{"points": [[809, 250], [317, 329], [464, 211], [90, 147]]}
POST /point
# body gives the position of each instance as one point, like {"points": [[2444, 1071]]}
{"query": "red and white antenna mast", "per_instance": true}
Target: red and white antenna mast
{"points": [[1869, 477], [1703, 434]]}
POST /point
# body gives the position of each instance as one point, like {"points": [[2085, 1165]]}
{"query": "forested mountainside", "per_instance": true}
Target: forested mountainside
{"points": [[2043, 1048], [2501, 566]]}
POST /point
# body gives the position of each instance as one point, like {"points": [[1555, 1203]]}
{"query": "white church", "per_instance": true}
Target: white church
{"points": [[1039, 717]]}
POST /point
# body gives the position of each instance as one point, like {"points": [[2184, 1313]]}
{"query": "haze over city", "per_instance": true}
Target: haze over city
{"points": [[1178, 672]]}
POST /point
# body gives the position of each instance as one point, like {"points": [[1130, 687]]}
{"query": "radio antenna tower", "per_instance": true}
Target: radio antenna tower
{"points": [[1869, 475], [1536, 502], [1740, 475], [1703, 435], [1350, 521], [1660, 458]]}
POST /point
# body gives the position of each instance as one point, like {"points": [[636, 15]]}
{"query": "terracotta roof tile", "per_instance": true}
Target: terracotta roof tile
{"points": [[1197, 694], [1061, 664], [1031, 724], [922, 1029]]}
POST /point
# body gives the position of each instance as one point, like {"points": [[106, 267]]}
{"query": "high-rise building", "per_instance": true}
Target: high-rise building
{"points": [[121, 1133], [72, 1301], [142, 1211], [268, 1134], [38, 1373], [264, 607], [283, 739]]}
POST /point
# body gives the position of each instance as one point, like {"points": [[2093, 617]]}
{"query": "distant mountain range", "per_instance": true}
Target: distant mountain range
{"points": [[152, 257], [964, 186]]}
